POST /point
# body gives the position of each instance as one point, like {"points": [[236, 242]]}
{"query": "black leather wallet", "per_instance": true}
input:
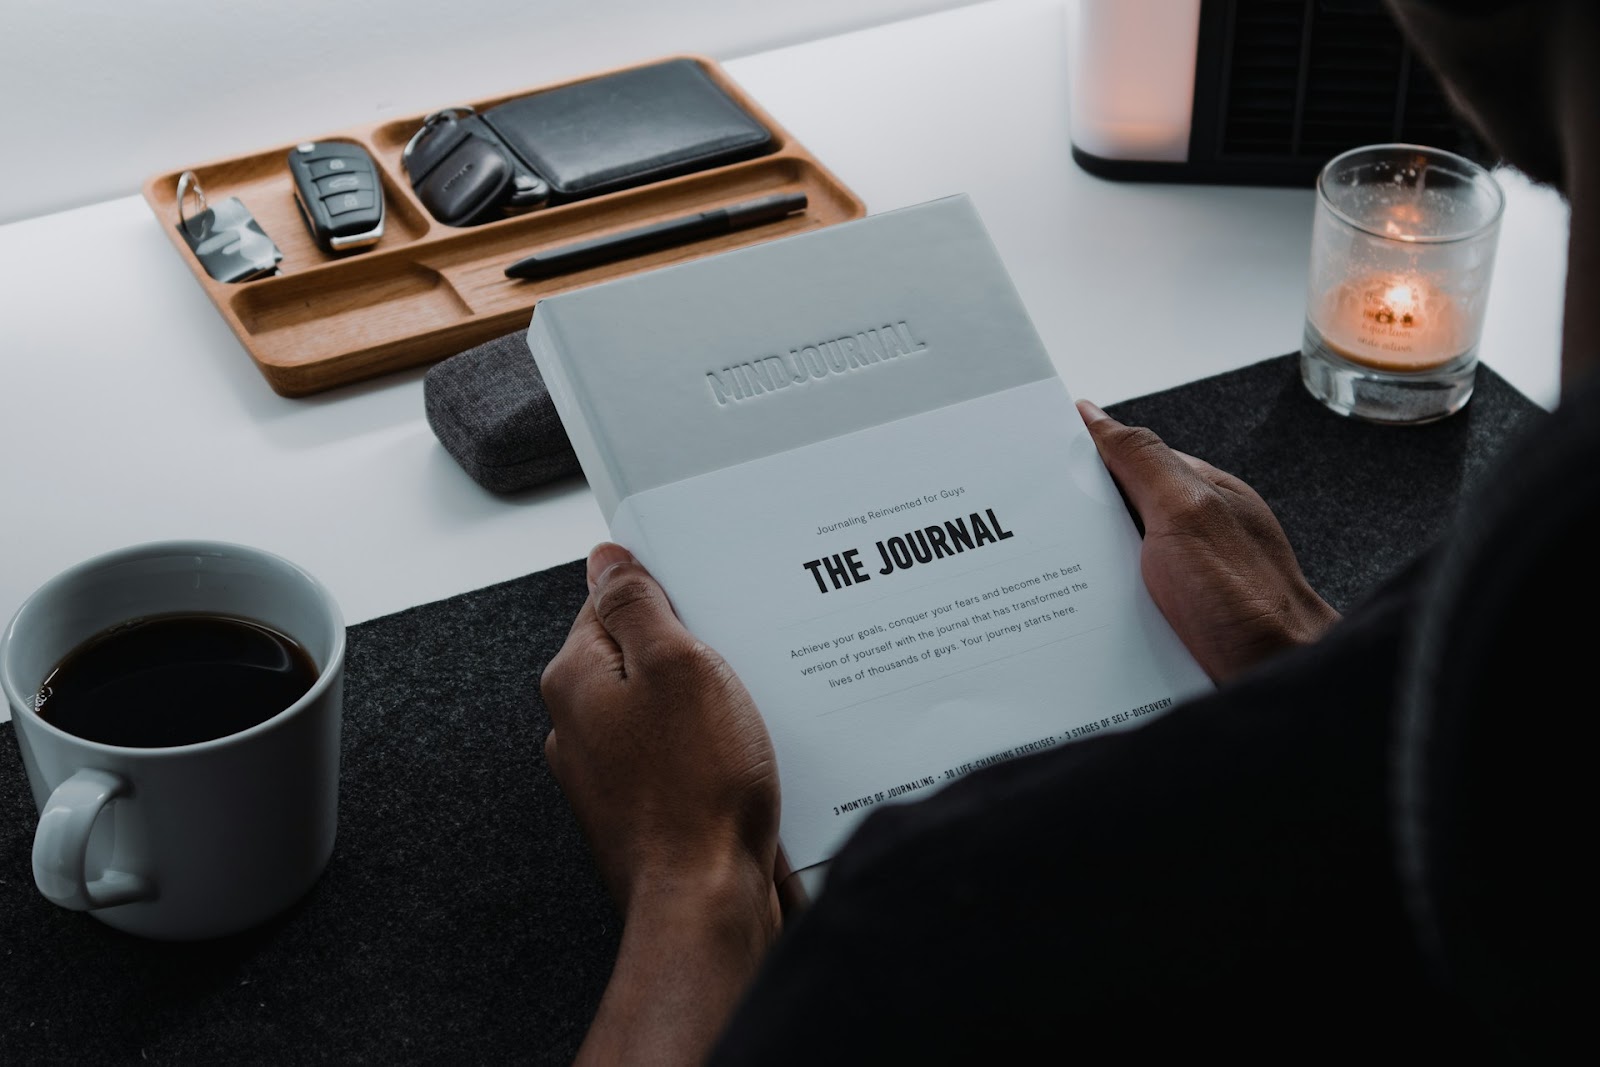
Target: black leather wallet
{"points": [[618, 130]]}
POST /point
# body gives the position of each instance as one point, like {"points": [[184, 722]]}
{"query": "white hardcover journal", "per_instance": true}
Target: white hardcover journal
{"points": [[849, 461]]}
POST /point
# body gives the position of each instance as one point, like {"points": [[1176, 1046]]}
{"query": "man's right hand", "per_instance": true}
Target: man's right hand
{"points": [[1215, 559]]}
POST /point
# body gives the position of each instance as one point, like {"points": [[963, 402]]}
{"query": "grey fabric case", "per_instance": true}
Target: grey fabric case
{"points": [[490, 409]]}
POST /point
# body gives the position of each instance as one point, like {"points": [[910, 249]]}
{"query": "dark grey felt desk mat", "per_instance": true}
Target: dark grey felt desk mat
{"points": [[460, 919]]}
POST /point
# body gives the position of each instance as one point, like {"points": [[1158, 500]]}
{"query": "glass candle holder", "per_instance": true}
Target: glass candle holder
{"points": [[1402, 250]]}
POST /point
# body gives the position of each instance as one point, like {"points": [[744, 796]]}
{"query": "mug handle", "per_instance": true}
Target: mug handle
{"points": [[61, 846]]}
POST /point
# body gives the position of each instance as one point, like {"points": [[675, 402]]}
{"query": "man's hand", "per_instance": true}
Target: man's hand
{"points": [[1214, 559], [669, 768]]}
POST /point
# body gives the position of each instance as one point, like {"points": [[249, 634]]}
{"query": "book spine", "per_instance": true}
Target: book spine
{"points": [[544, 342]]}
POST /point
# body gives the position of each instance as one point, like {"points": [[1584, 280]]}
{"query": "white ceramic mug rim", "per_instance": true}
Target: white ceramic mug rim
{"points": [[24, 707]]}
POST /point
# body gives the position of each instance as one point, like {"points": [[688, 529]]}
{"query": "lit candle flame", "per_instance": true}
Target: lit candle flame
{"points": [[1394, 321], [1394, 303], [1401, 298]]}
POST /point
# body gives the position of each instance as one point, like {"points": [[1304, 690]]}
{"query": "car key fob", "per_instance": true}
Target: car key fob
{"points": [[464, 174], [337, 190]]}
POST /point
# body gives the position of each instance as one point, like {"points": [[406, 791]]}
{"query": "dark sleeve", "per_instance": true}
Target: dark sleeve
{"points": [[1222, 876], [1495, 744]]}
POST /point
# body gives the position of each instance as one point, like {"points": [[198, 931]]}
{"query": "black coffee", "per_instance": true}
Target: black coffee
{"points": [[175, 680]]}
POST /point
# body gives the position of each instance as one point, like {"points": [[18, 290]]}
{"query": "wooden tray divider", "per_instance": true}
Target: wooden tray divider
{"points": [[426, 290]]}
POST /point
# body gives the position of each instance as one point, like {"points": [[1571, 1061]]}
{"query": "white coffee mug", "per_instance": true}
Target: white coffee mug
{"points": [[189, 841]]}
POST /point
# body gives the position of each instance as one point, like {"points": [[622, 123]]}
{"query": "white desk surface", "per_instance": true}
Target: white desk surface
{"points": [[129, 412]]}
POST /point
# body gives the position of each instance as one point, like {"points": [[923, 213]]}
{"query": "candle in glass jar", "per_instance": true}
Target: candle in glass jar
{"points": [[1402, 247], [1393, 322]]}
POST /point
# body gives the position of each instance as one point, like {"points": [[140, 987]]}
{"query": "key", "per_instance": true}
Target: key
{"points": [[340, 198], [227, 240]]}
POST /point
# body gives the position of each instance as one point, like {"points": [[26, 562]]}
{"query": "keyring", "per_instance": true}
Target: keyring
{"points": [[187, 182], [427, 123]]}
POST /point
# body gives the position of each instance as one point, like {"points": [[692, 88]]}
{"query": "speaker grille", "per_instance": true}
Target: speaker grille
{"points": [[1303, 80]]}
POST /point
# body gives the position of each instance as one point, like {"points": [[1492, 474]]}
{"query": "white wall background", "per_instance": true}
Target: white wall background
{"points": [[100, 94]]}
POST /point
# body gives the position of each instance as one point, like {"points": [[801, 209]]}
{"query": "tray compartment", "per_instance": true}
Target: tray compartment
{"points": [[389, 138], [299, 320], [477, 268], [262, 181], [427, 291]]}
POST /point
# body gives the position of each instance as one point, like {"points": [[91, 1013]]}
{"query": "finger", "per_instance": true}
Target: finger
{"points": [[589, 653], [1206, 470], [550, 756], [553, 754], [603, 557], [1154, 478], [631, 605], [586, 628], [1216, 475]]}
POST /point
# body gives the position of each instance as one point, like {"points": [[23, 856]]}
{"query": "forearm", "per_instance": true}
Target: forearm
{"points": [[690, 946]]}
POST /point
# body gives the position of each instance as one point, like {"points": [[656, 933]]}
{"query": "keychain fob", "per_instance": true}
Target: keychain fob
{"points": [[337, 190], [227, 240]]}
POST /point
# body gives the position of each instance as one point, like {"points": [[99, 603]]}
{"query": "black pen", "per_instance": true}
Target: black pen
{"points": [[677, 231]]}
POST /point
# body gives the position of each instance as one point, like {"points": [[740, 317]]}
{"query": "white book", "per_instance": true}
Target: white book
{"points": [[851, 464]]}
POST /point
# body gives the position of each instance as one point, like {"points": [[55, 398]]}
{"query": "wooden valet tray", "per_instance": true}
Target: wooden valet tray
{"points": [[426, 290]]}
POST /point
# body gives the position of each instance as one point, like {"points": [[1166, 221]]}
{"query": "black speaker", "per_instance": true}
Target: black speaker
{"points": [[1258, 92]]}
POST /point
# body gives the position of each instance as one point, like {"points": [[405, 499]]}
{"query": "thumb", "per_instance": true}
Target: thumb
{"points": [[1155, 479], [629, 603]]}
